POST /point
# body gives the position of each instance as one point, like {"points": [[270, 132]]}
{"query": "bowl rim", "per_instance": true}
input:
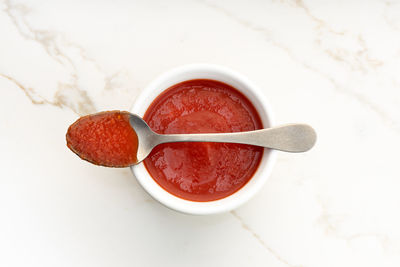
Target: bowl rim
{"points": [[252, 92]]}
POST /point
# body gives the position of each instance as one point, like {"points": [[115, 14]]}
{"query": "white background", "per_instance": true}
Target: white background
{"points": [[334, 65]]}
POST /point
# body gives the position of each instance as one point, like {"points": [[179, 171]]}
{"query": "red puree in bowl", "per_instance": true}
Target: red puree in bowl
{"points": [[202, 171]]}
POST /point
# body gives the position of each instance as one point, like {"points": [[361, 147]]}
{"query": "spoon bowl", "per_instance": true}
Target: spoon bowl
{"points": [[146, 137]]}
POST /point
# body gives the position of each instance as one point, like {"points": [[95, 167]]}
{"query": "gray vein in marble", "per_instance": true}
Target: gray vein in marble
{"points": [[60, 98], [320, 23], [330, 223], [29, 92], [68, 94], [389, 21], [83, 54], [360, 57], [258, 238], [356, 61], [82, 104], [364, 53], [109, 80], [45, 38], [383, 239], [362, 99], [49, 41]]}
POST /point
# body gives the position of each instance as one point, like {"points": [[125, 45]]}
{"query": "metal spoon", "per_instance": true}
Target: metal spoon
{"points": [[288, 138]]}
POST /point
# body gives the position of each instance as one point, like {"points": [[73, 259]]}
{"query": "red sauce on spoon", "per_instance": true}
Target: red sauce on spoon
{"points": [[104, 138]]}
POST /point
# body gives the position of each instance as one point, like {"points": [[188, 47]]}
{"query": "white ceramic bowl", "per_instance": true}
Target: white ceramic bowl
{"points": [[251, 91]]}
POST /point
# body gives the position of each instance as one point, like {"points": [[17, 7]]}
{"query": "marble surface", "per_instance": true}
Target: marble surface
{"points": [[334, 65]]}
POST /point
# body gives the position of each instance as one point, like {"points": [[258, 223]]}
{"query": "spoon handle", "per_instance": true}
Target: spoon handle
{"points": [[289, 138]]}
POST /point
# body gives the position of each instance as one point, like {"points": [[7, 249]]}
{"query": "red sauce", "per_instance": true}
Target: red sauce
{"points": [[202, 171], [104, 138]]}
